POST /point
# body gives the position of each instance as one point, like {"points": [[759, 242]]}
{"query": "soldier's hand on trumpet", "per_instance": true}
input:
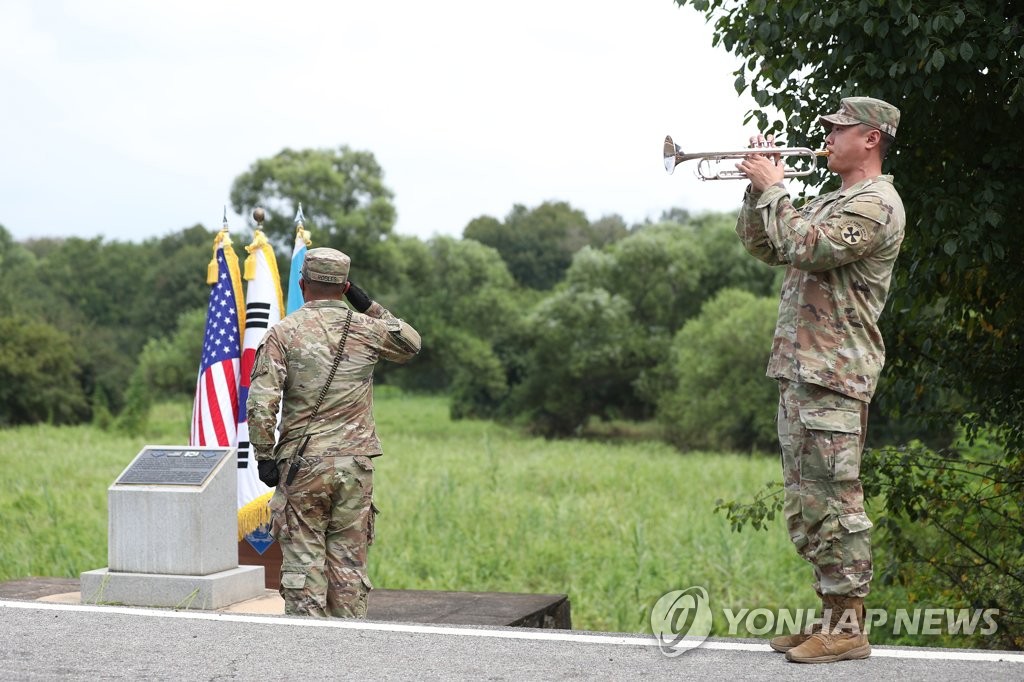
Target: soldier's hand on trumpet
{"points": [[763, 170]]}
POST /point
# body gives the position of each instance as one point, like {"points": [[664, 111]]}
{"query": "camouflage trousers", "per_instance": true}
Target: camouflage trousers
{"points": [[821, 434], [324, 524]]}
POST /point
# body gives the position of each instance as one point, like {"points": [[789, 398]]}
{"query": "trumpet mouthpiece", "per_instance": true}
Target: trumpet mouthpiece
{"points": [[823, 152]]}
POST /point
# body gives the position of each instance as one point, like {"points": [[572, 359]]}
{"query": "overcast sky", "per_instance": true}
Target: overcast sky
{"points": [[131, 119]]}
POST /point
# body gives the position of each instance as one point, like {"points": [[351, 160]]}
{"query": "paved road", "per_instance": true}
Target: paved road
{"points": [[45, 641]]}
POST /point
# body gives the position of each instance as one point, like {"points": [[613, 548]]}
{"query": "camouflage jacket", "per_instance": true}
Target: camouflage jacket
{"points": [[840, 249], [294, 360]]}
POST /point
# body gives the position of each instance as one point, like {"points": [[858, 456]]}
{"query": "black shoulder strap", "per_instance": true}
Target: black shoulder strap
{"points": [[304, 439], [334, 368]]}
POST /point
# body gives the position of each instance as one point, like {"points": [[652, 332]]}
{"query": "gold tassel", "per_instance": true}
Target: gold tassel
{"points": [[212, 270], [250, 267], [253, 515], [259, 240]]}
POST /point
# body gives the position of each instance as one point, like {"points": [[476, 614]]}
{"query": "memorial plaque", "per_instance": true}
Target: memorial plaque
{"points": [[172, 466]]}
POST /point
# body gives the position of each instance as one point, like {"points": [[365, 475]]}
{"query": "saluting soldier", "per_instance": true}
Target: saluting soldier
{"points": [[317, 366], [838, 250]]}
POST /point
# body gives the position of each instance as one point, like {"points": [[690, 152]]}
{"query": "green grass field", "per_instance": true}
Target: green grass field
{"points": [[466, 505]]}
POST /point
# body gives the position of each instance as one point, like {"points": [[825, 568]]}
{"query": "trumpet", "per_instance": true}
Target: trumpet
{"points": [[706, 171]]}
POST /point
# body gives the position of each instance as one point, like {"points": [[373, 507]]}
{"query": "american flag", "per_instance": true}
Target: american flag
{"points": [[215, 410]]}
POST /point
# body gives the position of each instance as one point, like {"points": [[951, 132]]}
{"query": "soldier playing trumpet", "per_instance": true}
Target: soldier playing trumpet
{"points": [[838, 250]]}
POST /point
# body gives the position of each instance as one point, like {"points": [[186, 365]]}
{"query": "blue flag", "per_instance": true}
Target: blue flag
{"points": [[294, 293], [302, 243]]}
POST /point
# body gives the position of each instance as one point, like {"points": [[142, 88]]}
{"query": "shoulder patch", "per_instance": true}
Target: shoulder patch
{"points": [[261, 365], [850, 231], [872, 209]]}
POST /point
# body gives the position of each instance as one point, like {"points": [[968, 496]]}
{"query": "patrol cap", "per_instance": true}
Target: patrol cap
{"points": [[326, 265], [866, 110]]}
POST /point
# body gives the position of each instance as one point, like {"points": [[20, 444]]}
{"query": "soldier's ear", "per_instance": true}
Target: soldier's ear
{"points": [[874, 138]]}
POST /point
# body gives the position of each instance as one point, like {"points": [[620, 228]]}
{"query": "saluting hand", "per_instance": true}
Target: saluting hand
{"points": [[359, 299]]}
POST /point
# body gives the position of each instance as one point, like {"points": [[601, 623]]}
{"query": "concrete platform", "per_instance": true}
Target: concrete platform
{"points": [[397, 606], [213, 591]]}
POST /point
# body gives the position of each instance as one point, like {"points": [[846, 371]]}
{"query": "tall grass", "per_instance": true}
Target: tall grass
{"points": [[475, 506], [466, 505], [53, 491]]}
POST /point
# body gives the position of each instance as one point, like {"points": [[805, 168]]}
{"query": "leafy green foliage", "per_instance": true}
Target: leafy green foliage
{"points": [[344, 200], [955, 320], [583, 349], [38, 374], [461, 298], [596, 345], [107, 298], [167, 367], [767, 504], [721, 399], [538, 244], [658, 270], [966, 498]]}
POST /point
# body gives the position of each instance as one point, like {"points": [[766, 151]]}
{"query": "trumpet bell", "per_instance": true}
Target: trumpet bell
{"points": [[670, 151]]}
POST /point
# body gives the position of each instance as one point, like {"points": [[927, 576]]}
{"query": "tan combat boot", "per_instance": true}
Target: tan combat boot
{"points": [[842, 640], [784, 643]]}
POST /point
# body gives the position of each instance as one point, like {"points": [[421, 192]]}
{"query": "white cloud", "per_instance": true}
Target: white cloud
{"points": [[132, 119]]}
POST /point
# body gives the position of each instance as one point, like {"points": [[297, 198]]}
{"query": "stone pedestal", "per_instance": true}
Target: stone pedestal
{"points": [[172, 533]]}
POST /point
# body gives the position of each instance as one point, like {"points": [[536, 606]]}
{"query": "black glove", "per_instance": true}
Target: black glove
{"points": [[357, 297], [268, 472]]}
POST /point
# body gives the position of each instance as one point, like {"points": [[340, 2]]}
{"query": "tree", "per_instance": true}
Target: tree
{"points": [[167, 367], [17, 275], [107, 298], [537, 244], [607, 230], [112, 297], [954, 322], [728, 263], [658, 270], [461, 298], [660, 275], [38, 374], [721, 399], [174, 281], [344, 200], [594, 339], [582, 350]]}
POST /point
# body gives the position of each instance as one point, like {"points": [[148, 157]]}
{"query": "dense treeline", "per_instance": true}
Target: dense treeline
{"points": [[77, 313], [100, 329]]}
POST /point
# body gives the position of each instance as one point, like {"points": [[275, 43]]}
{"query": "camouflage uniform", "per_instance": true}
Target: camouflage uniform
{"points": [[827, 353], [324, 519]]}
